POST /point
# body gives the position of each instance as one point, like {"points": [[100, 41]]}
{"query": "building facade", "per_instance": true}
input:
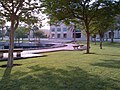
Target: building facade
{"points": [[116, 34], [108, 35], [46, 32], [62, 32]]}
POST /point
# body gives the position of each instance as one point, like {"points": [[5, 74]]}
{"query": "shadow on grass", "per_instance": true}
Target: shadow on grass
{"points": [[109, 44], [42, 78], [107, 54], [92, 53], [109, 64], [23, 58], [5, 81]]}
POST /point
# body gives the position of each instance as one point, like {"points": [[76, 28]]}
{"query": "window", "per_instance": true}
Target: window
{"points": [[118, 33], [58, 29], [64, 29], [65, 35], [77, 35], [110, 34], [58, 35], [53, 29], [53, 35], [77, 30]]}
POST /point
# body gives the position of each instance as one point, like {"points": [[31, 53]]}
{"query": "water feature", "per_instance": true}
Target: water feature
{"points": [[28, 45]]}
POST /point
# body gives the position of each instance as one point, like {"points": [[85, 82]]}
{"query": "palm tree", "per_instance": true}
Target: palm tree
{"points": [[73, 29], [2, 23]]}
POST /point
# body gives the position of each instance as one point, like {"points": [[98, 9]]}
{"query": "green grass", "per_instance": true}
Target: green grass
{"points": [[66, 70]]}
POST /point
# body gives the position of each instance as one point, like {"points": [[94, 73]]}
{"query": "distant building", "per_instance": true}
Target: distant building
{"points": [[116, 34], [108, 35], [62, 32], [46, 32]]}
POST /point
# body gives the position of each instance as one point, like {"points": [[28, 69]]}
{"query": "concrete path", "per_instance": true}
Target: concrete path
{"points": [[36, 53], [68, 47]]}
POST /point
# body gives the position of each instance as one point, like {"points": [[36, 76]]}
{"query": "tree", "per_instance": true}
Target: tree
{"points": [[102, 24], [39, 34], [16, 11], [35, 28], [21, 32], [94, 34], [105, 20], [115, 26], [114, 10], [73, 29], [2, 24], [1, 34], [7, 28], [34, 24], [81, 10]]}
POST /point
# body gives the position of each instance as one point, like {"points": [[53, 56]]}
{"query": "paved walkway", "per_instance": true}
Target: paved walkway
{"points": [[68, 47], [36, 53]]}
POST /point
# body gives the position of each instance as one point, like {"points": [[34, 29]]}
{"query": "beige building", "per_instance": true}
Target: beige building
{"points": [[46, 32], [62, 32]]}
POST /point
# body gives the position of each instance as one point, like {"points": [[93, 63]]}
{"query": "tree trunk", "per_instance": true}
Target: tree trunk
{"points": [[112, 36], [106, 37], [19, 41], [92, 38], [101, 42], [95, 40], [33, 35], [11, 45], [74, 35], [22, 40], [88, 34], [29, 36], [2, 33], [88, 42], [103, 39], [39, 40]]}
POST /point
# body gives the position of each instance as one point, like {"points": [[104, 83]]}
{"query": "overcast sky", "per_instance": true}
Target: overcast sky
{"points": [[46, 25]]}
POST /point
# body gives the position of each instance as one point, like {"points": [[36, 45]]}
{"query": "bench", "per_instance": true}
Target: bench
{"points": [[18, 51], [81, 45], [76, 46]]}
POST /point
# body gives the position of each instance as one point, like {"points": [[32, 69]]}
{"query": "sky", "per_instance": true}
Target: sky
{"points": [[46, 25], [44, 22]]}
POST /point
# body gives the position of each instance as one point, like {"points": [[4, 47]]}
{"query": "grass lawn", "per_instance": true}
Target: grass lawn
{"points": [[66, 70]]}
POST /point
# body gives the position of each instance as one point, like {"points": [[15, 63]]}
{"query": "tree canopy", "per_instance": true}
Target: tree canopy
{"points": [[16, 11], [21, 32], [39, 34], [81, 11]]}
